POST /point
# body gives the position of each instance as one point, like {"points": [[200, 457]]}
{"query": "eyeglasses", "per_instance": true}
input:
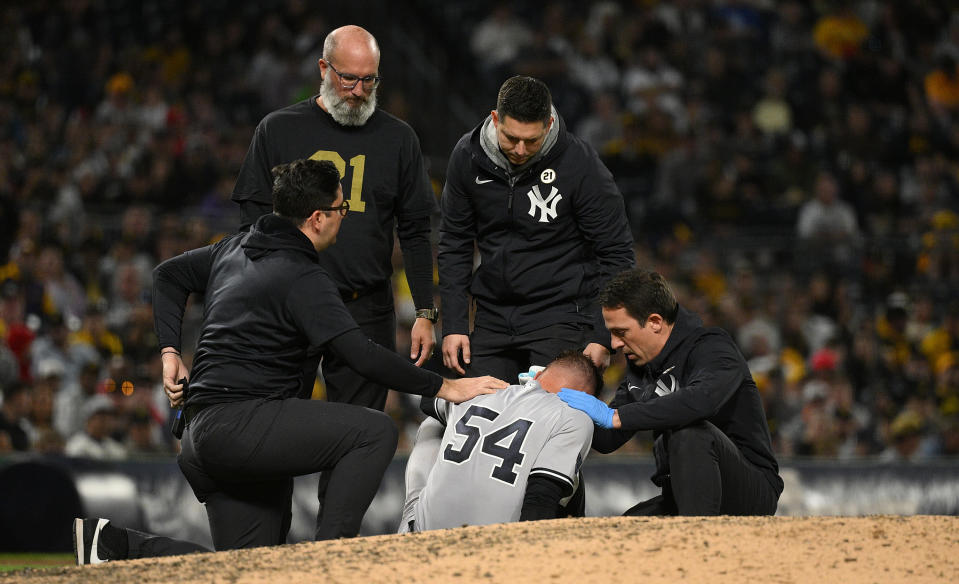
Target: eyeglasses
{"points": [[343, 208], [349, 81]]}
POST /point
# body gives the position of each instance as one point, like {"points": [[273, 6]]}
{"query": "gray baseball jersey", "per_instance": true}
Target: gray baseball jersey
{"points": [[491, 446]]}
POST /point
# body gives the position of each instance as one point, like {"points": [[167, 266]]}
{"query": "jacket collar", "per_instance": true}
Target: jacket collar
{"points": [[273, 233], [686, 323], [490, 145]]}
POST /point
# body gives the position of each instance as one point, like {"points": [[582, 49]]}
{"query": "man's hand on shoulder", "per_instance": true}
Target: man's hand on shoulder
{"points": [[601, 414], [459, 390]]}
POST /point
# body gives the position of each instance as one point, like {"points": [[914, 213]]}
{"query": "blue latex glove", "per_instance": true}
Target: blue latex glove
{"points": [[601, 414]]}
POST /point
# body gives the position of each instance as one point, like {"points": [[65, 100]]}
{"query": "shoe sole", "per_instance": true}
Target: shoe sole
{"points": [[78, 540]]}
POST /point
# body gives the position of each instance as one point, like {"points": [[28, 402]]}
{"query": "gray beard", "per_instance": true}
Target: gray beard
{"points": [[341, 110]]}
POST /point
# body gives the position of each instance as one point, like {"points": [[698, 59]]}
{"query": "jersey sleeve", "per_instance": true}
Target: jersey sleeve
{"points": [[601, 216], [254, 182], [173, 282], [416, 203], [564, 452], [437, 408], [455, 249], [416, 198]]}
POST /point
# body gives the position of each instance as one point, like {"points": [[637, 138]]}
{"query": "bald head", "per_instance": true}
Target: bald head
{"points": [[573, 370], [351, 42]]}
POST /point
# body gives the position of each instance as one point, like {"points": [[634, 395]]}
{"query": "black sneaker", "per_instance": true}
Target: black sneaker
{"points": [[88, 544]]}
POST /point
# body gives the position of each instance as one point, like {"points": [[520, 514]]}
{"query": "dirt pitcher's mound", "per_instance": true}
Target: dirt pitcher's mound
{"points": [[718, 549]]}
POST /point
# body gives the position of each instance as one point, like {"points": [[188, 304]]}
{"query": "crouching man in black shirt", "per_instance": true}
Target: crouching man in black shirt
{"points": [[270, 310]]}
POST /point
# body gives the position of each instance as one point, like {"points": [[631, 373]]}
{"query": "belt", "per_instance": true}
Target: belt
{"points": [[190, 412], [348, 295]]}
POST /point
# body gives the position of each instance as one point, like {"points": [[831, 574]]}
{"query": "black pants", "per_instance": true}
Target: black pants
{"points": [[374, 313], [145, 545], [240, 460], [504, 356], [708, 475]]}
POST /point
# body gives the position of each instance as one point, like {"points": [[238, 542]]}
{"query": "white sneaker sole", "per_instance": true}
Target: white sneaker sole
{"points": [[78, 540], [78, 548]]}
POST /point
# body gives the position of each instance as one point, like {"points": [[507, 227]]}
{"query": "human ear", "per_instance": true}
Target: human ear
{"points": [[655, 322]]}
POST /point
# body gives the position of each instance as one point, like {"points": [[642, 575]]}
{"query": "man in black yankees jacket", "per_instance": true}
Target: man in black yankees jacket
{"points": [[551, 229], [690, 385]]}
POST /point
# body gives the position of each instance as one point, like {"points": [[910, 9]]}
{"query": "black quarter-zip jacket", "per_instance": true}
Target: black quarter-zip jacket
{"points": [[699, 375], [549, 238]]}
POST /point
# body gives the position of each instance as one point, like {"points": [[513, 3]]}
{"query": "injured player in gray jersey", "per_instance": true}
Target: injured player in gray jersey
{"points": [[509, 456]]}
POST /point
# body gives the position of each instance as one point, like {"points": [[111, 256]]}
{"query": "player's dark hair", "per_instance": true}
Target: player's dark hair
{"points": [[525, 99], [303, 186], [641, 292], [580, 363]]}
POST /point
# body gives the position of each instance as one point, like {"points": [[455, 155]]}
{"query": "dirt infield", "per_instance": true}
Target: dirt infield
{"points": [[853, 550]]}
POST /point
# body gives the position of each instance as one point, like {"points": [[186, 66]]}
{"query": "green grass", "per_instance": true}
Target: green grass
{"points": [[11, 562]]}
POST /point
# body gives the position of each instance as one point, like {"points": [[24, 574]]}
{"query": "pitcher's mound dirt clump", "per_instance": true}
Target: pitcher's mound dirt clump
{"points": [[850, 550]]}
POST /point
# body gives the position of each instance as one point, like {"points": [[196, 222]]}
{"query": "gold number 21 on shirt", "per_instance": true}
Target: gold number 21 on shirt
{"points": [[358, 163]]}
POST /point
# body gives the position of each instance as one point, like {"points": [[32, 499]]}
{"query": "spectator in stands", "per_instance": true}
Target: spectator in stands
{"points": [[498, 41], [950, 437], [14, 409], [141, 438], [827, 223], [61, 289], [942, 85], [53, 344], [839, 34], [906, 433], [41, 428], [66, 177], [593, 69], [773, 113], [95, 334], [69, 417], [649, 82], [96, 441], [604, 124]]}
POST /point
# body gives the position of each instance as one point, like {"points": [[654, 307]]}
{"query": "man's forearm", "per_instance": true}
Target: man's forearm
{"points": [[542, 498], [384, 366]]}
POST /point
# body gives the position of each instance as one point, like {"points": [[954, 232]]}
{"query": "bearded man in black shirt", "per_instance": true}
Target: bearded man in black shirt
{"points": [[385, 181]]}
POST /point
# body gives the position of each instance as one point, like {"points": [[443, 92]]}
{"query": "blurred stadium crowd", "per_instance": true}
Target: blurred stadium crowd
{"points": [[791, 167]]}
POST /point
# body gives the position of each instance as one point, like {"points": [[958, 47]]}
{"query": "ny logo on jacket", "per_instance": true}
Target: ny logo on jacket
{"points": [[652, 385], [547, 206]]}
